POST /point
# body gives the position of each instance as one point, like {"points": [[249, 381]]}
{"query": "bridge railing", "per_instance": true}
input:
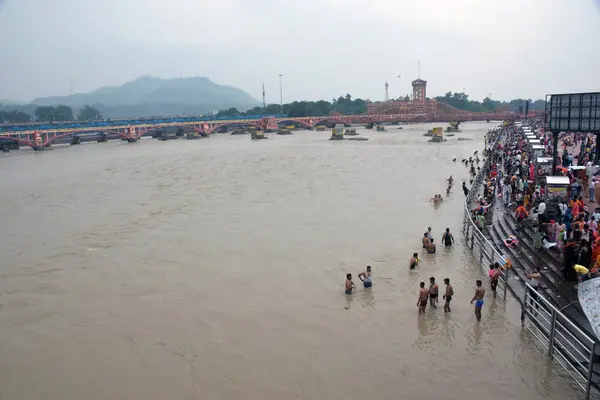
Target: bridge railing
{"points": [[475, 238], [16, 128], [564, 342]]}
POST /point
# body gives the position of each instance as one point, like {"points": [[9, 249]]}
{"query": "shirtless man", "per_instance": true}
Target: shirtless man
{"points": [[495, 275], [448, 295], [423, 296], [478, 299], [349, 286], [431, 247], [425, 240], [433, 292]]}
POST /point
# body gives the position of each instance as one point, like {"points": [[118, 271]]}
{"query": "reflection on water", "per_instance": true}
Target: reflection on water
{"points": [[215, 268]]}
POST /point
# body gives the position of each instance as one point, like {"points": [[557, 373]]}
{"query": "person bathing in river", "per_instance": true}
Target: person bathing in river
{"points": [[450, 180], [447, 238], [478, 299], [465, 189], [448, 295], [433, 292], [431, 247], [423, 297], [414, 261], [426, 240], [366, 277], [349, 286]]}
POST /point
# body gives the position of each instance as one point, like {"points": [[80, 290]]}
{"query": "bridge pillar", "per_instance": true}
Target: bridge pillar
{"points": [[37, 141]]}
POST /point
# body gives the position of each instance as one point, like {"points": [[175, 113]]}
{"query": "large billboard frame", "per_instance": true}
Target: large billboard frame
{"points": [[573, 112]]}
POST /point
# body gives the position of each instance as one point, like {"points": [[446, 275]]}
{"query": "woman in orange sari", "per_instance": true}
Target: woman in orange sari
{"points": [[576, 210], [580, 204]]}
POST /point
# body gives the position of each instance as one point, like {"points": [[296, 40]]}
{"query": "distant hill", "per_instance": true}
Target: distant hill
{"points": [[148, 96]]}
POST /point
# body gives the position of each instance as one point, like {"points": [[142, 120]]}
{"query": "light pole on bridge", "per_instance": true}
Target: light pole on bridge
{"points": [[281, 93]]}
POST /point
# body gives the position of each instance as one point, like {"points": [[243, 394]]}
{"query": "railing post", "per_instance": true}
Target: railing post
{"points": [[505, 283], [552, 334], [590, 371], [524, 305], [481, 249], [472, 239]]}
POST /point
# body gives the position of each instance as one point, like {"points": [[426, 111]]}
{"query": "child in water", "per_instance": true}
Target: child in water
{"points": [[414, 261], [349, 284]]}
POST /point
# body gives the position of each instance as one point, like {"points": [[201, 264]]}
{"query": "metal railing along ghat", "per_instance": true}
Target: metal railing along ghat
{"points": [[475, 238], [564, 342]]}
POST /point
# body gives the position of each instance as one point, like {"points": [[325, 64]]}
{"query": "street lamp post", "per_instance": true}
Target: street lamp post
{"points": [[281, 93]]}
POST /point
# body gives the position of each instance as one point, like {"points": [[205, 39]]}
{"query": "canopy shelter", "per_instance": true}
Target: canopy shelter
{"points": [[557, 183], [534, 141], [544, 160]]}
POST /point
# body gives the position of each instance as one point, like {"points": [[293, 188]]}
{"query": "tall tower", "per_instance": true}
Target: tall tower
{"points": [[387, 97], [419, 90]]}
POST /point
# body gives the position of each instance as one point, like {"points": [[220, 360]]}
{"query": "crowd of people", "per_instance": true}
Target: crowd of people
{"points": [[561, 219], [429, 295]]}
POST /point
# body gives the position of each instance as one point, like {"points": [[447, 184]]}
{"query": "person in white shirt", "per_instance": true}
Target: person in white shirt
{"points": [[541, 208], [592, 189], [563, 208]]}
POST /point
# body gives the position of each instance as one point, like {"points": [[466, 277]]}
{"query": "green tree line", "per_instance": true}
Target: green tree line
{"points": [[343, 104], [462, 102], [48, 114], [348, 106]]}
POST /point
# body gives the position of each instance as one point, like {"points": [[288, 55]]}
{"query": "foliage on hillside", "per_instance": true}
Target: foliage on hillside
{"points": [[343, 104]]}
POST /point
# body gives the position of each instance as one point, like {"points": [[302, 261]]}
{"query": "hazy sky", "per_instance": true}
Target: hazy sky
{"points": [[324, 48]]}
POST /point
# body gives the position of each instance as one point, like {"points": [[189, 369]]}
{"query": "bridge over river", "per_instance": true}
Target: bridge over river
{"points": [[215, 270], [42, 135]]}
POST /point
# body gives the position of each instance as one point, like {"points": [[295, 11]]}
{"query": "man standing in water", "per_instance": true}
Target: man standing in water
{"points": [[433, 292], [425, 240], [366, 277], [431, 247], [478, 299], [447, 238], [423, 296], [448, 295], [349, 284], [495, 275]]}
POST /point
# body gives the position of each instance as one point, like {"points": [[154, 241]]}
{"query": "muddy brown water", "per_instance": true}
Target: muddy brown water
{"points": [[214, 269]]}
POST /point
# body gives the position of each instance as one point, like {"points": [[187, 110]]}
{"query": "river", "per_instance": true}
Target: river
{"points": [[214, 269]]}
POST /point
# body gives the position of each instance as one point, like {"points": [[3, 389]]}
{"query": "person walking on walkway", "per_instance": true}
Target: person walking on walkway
{"points": [[521, 213]]}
